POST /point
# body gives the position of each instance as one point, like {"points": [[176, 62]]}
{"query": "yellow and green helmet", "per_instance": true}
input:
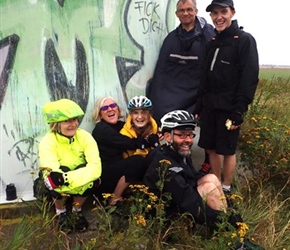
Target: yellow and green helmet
{"points": [[61, 110]]}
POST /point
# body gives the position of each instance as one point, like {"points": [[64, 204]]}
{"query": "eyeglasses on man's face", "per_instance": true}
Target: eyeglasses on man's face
{"points": [[188, 10], [185, 135], [106, 107]]}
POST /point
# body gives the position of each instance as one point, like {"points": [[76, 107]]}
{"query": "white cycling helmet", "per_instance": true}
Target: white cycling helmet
{"points": [[139, 102], [180, 119]]}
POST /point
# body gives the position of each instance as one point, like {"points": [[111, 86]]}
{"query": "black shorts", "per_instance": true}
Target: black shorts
{"points": [[214, 134], [201, 212], [205, 214]]}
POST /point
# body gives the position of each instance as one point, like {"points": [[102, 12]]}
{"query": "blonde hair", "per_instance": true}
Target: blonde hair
{"points": [[97, 110], [55, 126]]}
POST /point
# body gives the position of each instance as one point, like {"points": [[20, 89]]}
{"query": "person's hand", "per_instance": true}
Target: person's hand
{"points": [[54, 180], [160, 137], [141, 142], [234, 120], [153, 140]]}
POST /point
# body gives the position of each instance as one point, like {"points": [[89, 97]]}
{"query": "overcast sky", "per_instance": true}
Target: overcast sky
{"points": [[268, 21]]}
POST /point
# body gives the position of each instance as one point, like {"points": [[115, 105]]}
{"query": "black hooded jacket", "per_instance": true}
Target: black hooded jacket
{"points": [[177, 73], [232, 70]]}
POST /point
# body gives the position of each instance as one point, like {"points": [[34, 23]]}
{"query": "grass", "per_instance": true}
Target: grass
{"points": [[263, 183], [270, 73]]}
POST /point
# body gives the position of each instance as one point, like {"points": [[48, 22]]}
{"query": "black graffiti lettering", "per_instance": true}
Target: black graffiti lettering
{"points": [[150, 19], [151, 26], [154, 10], [126, 68], [23, 150], [147, 9], [157, 26], [139, 6], [60, 2], [58, 84], [11, 42]]}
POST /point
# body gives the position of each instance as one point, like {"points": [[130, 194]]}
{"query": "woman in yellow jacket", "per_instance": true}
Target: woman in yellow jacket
{"points": [[140, 123], [70, 162]]}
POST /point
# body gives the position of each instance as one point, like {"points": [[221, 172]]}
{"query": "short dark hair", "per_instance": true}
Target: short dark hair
{"points": [[184, 1]]}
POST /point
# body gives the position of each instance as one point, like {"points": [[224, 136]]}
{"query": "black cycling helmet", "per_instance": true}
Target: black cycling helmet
{"points": [[178, 119], [139, 102]]}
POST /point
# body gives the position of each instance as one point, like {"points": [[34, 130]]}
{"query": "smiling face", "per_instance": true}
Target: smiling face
{"points": [[110, 111], [69, 127], [186, 13], [140, 117], [222, 17], [181, 140]]}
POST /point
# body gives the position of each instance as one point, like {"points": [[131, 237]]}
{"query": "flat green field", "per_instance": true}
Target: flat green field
{"points": [[270, 73]]}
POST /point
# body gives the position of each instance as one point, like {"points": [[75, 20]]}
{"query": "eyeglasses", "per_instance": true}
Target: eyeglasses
{"points": [[188, 10], [184, 136], [106, 107]]}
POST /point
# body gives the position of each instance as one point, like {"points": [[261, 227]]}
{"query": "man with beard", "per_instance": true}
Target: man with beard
{"points": [[201, 195], [171, 164]]}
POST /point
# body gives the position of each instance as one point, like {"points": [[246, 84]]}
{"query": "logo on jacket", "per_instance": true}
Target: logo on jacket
{"points": [[176, 169]]}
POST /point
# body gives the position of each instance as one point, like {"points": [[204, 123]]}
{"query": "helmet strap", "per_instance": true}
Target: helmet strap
{"points": [[171, 137]]}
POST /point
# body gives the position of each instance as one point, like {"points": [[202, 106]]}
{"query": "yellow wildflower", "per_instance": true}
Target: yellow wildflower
{"points": [[165, 162], [242, 230], [254, 119], [236, 196], [140, 220], [153, 197], [106, 196]]}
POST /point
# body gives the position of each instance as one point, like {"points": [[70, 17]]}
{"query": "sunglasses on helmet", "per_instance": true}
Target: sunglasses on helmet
{"points": [[106, 107]]}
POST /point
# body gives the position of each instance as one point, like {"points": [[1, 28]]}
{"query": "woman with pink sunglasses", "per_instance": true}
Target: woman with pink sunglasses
{"points": [[117, 173]]}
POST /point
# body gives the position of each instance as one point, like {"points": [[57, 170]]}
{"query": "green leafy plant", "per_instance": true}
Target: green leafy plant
{"points": [[264, 141]]}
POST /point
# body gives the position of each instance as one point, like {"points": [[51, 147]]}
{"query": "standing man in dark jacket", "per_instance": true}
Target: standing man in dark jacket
{"points": [[177, 74], [228, 87]]}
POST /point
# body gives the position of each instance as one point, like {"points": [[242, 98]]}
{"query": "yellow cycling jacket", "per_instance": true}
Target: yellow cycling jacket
{"points": [[56, 150], [130, 132]]}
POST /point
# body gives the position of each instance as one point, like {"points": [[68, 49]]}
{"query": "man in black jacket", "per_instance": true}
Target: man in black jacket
{"points": [[191, 191], [228, 87], [171, 171], [177, 73]]}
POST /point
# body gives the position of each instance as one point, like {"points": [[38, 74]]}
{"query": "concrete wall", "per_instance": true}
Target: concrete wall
{"points": [[76, 49]]}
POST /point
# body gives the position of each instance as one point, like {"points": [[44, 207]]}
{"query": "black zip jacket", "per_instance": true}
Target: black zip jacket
{"points": [[177, 73], [232, 71], [180, 178]]}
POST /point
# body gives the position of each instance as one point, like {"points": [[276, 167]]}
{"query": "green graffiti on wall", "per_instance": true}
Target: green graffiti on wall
{"points": [[71, 49]]}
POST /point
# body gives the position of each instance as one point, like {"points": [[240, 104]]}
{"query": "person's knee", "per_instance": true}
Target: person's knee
{"points": [[214, 179], [209, 178], [207, 189], [211, 196]]}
